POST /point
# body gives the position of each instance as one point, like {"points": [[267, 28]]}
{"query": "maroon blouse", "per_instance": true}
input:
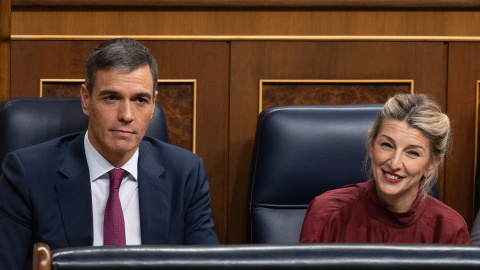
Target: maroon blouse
{"points": [[354, 214]]}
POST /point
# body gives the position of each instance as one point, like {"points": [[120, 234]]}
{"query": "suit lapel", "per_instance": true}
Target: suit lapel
{"points": [[154, 198], [75, 197]]}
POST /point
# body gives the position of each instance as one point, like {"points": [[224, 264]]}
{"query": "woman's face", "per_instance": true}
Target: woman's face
{"points": [[400, 157]]}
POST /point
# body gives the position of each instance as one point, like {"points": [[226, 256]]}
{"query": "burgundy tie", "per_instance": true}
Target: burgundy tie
{"points": [[113, 223]]}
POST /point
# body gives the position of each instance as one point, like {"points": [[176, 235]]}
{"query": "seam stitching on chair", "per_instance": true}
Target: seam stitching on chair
{"points": [[17, 100], [281, 206]]}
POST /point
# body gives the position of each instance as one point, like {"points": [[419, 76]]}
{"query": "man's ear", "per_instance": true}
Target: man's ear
{"points": [[154, 97], [85, 98]]}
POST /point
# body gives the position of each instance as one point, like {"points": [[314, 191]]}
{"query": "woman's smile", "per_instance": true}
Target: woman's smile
{"points": [[391, 177]]}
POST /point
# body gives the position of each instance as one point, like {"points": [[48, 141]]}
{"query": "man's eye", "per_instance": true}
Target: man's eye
{"points": [[141, 100]]}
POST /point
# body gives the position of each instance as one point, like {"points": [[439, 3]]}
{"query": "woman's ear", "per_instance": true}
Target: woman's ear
{"points": [[432, 166], [370, 150]]}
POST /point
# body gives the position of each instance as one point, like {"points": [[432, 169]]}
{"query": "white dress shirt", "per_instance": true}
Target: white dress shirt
{"points": [[99, 167]]}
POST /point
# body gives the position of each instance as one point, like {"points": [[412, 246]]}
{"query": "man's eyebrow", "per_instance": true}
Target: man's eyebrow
{"points": [[107, 93], [113, 92], [144, 95]]}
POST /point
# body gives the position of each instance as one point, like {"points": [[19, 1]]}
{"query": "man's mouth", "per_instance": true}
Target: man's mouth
{"points": [[123, 132]]}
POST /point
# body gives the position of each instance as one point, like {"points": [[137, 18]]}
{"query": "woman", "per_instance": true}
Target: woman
{"points": [[407, 143]]}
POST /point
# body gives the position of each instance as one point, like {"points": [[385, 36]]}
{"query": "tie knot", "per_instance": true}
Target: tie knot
{"points": [[116, 177]]}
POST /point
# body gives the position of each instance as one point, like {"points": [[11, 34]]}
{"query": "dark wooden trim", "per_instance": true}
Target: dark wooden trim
{"points": [[5, 33], [254, 3], [42, 258], [5, 19]]}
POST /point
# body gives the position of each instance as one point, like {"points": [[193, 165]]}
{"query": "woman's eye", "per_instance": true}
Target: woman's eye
{"points": [[414, 153], [385, 144]]}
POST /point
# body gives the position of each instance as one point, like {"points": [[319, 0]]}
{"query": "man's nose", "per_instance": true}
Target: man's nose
{"points": [[125, 111]]}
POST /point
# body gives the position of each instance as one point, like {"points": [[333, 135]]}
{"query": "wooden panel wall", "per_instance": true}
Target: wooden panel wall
{"points": [[229, 46], [241, 23], [254, 3], [463, 76]]}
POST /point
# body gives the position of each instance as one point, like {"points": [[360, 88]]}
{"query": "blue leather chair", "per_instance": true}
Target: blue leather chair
{"points": [[299, 153], [28, 121]]}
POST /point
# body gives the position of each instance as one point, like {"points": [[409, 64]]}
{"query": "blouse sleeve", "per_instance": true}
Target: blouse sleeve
{"points": [[322, 213], [462, 236], [313, 225], [323, 217]]}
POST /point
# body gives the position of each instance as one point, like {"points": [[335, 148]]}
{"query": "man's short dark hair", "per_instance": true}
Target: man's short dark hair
{"points": [[123, 54]]}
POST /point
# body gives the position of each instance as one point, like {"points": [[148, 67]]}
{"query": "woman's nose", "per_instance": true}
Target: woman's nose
{"points": [[396, 160]]}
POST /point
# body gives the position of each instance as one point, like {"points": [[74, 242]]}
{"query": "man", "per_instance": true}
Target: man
{"points": [[57, 192]]}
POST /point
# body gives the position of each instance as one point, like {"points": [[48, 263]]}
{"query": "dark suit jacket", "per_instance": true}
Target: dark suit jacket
{"points": [[45, 196]]}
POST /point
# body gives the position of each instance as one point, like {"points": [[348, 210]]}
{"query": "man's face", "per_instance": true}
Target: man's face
{"points": [[119, 110]]}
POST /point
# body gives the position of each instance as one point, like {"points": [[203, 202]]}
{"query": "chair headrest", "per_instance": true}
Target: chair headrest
{"points": [[302, 151]]}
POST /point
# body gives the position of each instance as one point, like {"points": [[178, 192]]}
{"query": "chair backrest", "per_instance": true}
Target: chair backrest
{"points": [[28, 121], [299, 153], [247, 257]]}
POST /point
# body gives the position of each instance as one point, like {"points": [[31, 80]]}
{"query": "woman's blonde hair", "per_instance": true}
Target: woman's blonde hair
{"points": [[424, 114]]}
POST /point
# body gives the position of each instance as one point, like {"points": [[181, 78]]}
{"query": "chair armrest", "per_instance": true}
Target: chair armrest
{"points": [[41, 257]]}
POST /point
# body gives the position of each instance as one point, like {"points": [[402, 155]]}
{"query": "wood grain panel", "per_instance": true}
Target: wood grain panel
{"points": [[463, 74], [5, 12], [251, 3], [424, 63], [5, 31], [60, 88], [329, 93], [35, 60], [310, 22], [177, 100], [178, 103]]}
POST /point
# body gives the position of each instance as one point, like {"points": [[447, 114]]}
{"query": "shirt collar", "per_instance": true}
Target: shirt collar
{"points": [[98, 165]]}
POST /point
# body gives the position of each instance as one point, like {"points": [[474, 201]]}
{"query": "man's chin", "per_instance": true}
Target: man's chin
{"points": [[124, 148]]}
